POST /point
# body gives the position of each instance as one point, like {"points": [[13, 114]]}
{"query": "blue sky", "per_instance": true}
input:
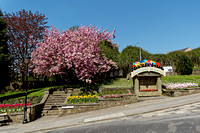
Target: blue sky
{"points": [[159, 25]]}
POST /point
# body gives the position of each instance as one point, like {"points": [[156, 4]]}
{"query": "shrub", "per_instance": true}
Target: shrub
{"points": [[184, 66]]}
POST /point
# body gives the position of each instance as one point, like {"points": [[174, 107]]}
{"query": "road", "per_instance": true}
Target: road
{"points": [[183, 119]]}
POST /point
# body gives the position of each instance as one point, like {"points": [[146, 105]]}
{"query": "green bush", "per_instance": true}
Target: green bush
{"points": [[33, 100], [130, 55], [184, 66]]}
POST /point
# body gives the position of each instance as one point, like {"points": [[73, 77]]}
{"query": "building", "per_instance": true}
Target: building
{"points": [[185, 50]]}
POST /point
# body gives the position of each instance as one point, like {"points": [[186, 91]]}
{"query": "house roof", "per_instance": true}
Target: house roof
{"points": [[185, 49]]}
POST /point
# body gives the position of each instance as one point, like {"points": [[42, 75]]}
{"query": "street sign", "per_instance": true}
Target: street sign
{"points": [[168, 69]]}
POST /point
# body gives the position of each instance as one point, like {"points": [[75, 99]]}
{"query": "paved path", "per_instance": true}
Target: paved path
{"points": [[140, 108]]}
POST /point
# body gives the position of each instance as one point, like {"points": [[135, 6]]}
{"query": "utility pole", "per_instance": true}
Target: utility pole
{"points": [[140, 54], [140, 50]]}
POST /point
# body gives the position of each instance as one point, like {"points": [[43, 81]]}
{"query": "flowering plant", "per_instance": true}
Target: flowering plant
{"points": [[112, 96], [72, 49], [180, 85], [12, 107], [83, 99]]}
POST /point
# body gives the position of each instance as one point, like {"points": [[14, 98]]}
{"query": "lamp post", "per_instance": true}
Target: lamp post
{"points": [[27, 61]]}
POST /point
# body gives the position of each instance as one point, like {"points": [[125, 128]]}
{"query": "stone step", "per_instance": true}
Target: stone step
{"points": [[55, 97], [53, 105], [47, 114], [59, 92], [50, 105], [55, 102], [50, 112], [49, 108], [62, 94], [50, 99], [59, 95], [58, 98]]}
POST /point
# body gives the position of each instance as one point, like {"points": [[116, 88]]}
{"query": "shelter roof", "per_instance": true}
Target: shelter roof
{"points": [[147, 69]]}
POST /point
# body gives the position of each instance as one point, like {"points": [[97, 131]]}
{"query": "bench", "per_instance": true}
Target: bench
{"points": [[4, 119]]}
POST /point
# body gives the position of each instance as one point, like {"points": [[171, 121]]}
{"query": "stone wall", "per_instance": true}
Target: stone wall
{"points": [[115, 89], [16, 117], [176, 93], [103, 103], [196, 72], [33, 111]]}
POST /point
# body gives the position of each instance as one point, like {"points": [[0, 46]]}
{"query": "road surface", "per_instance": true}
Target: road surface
{"points": [[183, 119]]}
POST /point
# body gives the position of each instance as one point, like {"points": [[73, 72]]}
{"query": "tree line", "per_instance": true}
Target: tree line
{"points": [[130, 55]]}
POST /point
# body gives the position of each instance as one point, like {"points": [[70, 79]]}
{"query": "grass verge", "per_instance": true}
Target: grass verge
{"points": [[21, 94], [182, 79], [118, 83]]}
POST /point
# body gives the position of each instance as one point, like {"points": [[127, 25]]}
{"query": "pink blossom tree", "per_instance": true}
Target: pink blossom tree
{"points": [[75, 50]]}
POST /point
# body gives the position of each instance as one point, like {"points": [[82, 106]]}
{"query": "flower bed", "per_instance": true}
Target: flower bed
{"points": [[10, 108], [112, 96], [114, 92], [82, 99], [174, 86]]}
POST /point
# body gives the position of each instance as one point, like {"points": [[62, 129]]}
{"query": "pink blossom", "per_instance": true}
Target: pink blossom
{"points": [[180, 85], [72, 49]]}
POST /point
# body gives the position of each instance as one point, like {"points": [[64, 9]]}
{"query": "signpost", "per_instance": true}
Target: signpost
{"points": [[168, 69]]}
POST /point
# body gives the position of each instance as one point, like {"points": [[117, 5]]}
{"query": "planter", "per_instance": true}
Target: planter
{"points": [[175, 93], [68, 109]]}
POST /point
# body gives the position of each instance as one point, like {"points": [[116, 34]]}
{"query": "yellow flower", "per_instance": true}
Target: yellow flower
{"points": [[71, 97]]}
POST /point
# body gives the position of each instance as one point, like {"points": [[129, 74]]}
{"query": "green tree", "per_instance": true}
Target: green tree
{"points": [[4, 55], [194, 55], [109, 50], [175, 56], [129, 55], [184, 66], [163, 59]]}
